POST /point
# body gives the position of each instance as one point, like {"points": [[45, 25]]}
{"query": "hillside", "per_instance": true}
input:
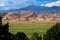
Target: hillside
{"points": [[30, 17]]}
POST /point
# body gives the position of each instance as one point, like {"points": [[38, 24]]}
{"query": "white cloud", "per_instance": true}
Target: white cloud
{"points": [[6, 8], [57, 3], [1, 4], [9, 4]]}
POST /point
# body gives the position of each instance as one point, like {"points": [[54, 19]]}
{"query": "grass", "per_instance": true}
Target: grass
{"points": [[29, 28]]}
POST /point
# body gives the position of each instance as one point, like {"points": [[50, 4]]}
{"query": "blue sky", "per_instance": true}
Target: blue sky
{"points": [[15, 4]]}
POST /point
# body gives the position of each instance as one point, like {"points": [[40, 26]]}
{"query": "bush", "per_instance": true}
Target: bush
{"points": [[36, 36], [21, 36], [53, 33]]}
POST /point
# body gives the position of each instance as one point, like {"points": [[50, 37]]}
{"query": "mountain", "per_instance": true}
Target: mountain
{"points": [[53, 9], [32, 8]]}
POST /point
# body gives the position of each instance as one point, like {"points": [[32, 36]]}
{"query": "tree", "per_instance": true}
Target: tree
{"points": [[21, 36], [36, 36], [53, 33], [4, 31], [40, 37]]}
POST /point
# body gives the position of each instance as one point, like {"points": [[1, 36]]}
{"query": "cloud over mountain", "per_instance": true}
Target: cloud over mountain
{"points": [[15, 4], [56, 3], [1, 4]]}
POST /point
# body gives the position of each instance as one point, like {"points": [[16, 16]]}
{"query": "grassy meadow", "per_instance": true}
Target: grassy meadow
{"points": [[30, 28]]}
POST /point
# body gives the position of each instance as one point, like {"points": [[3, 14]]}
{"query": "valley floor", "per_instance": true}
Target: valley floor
{"points": [[30, 28]]}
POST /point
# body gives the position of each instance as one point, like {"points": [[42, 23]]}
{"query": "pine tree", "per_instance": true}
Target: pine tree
{"points": [[21, 36], [4, 31], [53, 33], [0, 27]]}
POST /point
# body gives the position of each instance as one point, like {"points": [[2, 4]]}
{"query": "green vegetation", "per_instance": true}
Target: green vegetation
{"points": [[53, 33], [36, 36], [30, 28]]}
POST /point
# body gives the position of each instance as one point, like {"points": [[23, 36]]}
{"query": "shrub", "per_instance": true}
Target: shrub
{"points": [[36, 36], [53, 33]]}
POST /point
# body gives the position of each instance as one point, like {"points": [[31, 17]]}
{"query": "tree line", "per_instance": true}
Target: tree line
{"points": [[52, 34]]}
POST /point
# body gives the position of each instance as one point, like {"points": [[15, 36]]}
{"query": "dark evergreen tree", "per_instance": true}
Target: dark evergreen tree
{"points": [[40, 37], [4, 31], [53, 33], [21, 36], [0, 27]]}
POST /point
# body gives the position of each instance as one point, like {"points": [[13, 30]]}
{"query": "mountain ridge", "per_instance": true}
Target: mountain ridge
{"points": [[32, 8]]}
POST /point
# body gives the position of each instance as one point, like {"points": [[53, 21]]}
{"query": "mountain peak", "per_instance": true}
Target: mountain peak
{"points": [[33, 8]]}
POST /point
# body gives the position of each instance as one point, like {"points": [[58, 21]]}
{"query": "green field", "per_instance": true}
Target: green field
{"points": [[29, 28]]}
